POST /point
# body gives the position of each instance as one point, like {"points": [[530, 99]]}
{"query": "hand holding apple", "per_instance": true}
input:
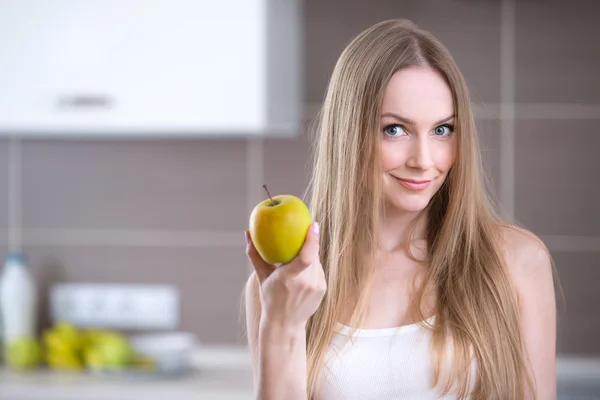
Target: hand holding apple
{"points": [[282, 232]]}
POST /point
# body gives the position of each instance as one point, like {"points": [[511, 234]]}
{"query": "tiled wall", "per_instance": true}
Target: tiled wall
{"points": [[556, 192], [173, 211]]}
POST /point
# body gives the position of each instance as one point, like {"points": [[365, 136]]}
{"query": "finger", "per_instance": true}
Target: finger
{"points": [[263, 269], [309, 254]]}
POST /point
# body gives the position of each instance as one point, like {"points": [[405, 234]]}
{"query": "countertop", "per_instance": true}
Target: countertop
{"points": [[222, 373]]}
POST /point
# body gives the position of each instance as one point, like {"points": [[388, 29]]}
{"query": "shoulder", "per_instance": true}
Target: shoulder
{"points": [[525, 253], [529, 264]]}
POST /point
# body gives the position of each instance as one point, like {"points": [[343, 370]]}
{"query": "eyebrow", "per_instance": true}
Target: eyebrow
{"points": [[411, 122]]}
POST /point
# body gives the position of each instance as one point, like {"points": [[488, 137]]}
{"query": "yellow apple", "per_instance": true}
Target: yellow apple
{"points": [[24, 352], [278, 227]]}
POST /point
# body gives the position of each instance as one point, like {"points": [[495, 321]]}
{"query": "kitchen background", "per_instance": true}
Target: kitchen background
{"points": [[173, 210]]}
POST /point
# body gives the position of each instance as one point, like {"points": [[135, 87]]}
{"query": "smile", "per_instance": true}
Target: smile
{"points": [[413, 184]]}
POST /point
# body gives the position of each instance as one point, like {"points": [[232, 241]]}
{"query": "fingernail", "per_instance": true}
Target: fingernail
{"points": [[246, 237], [316, 228]]}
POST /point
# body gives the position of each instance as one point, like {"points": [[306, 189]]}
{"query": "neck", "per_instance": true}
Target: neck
{"points": [[395, 226]]}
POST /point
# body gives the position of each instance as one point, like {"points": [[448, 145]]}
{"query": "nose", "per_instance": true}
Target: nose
{"points": [[420, 154]]}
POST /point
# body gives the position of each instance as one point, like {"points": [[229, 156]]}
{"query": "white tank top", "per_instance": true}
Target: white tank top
{"points": [[381, 364]]}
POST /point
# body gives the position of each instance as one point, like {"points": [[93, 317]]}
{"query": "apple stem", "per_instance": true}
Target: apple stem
{"points": [[269, 194]]}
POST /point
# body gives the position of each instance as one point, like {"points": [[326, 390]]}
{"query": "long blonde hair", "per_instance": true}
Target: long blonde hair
{"points": [[476, 302]]}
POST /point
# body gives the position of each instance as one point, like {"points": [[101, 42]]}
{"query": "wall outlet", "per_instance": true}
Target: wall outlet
{"points": [[119, 306]]}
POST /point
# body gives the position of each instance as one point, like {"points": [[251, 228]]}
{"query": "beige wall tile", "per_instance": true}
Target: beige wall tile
{"points": [[210, 280], [470, 29], [195, 184], [4, 193], [578, 325], [489, 143], [287, 164], [556, 51], [556, 168]]}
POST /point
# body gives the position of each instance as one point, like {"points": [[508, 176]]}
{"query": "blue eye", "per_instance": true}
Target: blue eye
{"points": [[394, 130], [443, 130]]}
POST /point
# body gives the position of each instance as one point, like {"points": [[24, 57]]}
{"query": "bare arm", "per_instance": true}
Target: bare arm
{"points": [[278, 353], [532, 272], [279, 302]]}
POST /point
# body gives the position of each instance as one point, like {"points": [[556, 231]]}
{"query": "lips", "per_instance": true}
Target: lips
{"points": [[413, 184]]}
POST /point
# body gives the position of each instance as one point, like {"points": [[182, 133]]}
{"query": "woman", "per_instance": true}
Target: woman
{"points": [[440, 299]]}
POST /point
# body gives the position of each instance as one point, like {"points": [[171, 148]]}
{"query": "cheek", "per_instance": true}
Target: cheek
{"points": [[391, 158], [445, 155]]}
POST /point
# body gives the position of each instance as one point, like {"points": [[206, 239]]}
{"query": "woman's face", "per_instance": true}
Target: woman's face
{"points": [[417, 137]]}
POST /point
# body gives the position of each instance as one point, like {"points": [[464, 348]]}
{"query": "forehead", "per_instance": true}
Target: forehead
{"points": [[418, 93]]}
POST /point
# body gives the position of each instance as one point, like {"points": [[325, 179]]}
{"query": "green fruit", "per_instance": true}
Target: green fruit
{"points": [[116, 351], [55, 343], [61, 351], [70, 334], [94, 336], [106, 349], [64, 361], [23, 353], [93, 358], [278, 228]]}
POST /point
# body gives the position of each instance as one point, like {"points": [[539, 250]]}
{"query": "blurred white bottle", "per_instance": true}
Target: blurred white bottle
{"points": [[18, 299]]}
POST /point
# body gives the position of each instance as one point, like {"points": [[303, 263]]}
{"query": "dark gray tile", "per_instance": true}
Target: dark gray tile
{"points": [[557, 60], [578, 323], [210, 280], [470, 30], [288, 164], [4, 189], [556, 175], [195, 184], [3, 254], [489, 144]]}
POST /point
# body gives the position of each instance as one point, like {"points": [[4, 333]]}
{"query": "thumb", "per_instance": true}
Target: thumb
{"points": [[309, 254]]}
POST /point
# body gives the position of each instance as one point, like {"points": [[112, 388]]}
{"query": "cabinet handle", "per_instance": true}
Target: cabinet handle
{"points": [[86, 101]]}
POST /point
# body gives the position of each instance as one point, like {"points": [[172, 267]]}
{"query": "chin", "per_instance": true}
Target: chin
{"points": [[409, 205]]}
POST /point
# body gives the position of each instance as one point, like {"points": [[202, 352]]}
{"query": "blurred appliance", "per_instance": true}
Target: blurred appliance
{"points": [[120, 306]]}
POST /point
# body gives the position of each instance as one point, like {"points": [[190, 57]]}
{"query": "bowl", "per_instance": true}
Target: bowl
{"points": [[172, 352]]}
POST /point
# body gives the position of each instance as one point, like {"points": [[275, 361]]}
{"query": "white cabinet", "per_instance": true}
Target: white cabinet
{"points": [[150, 67]]}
